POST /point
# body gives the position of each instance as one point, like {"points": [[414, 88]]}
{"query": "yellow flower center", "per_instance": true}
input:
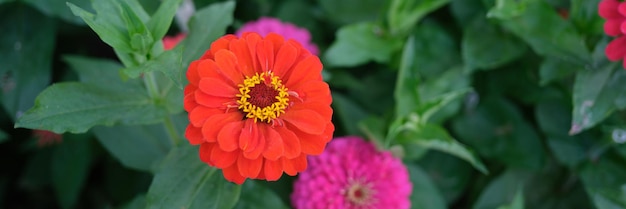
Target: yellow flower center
{"points": [[263, 97]]}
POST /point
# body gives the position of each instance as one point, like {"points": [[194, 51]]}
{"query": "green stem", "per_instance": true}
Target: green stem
{"points": [[151, 85], [171, 131]]}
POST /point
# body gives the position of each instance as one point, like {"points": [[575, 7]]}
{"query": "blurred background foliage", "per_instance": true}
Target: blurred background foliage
{"points": [[491, 103]]}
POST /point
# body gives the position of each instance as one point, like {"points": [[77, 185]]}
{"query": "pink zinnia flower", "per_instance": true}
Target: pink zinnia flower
{"points": [[265, 25], [352, 173], [169, 42], [614, 12]]}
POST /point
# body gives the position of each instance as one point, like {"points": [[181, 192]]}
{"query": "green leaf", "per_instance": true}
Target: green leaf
{"points": [[404, 14], [435, 49], [595, 93], [553, 69], [554, 118], [162, 18], [107, 23], [504, 189], [205, 26], [517, 203], [542, 28], [605, 182], [59, 9], [485, 46], [435, 137], [70, 168], [352, 11], [467, 10], [406, 94], [584, 15], [425, 194], [434, 105], [139, 202], [359, 43], [498, 130], [445, 92], [3, 137], [348, 113], [84, 106], [451, 175], [254, 195], [99, 72], [122, 143], [184, 181], [26, 45], [169, 63]]}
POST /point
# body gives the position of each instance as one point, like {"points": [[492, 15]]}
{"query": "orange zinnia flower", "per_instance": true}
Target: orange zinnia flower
{"points": [[257, 106]]}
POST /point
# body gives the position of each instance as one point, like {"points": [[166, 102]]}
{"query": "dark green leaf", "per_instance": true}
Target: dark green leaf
{"points": [[3, 137], [584, 15], [184, 181], [485, 46], [84, 106], [139, 202], [205, 26], [604, 181], [406, 94], [554, 68], [542, 28], [99, 72], [425, 194], [501, 190], [352, 11], [59, 8], [70, 168], [162, 18], [595, 93], [359, 43], [435, 49], [497, 129], [169, 63], [434, 105], [348, 113], [26, 45], [464, 11], [404, 14], [435, 137], [446, 89], [123, 141], [451, 174], [517, 203], [554, 118], [254, 195]]}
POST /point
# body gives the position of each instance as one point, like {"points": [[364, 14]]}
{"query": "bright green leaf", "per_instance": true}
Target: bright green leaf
{"points": [[122, 143], [184, 181], [359, 43], [99, 72], [425, 194], [595, 92], [169, 63], [254, 195], [205, 26], [435, 137], [405, 94], [542, 28], [404, 14], [26, 45], [70, 168], [485, 46], [84, 106], [162, 18], [106, 23]]}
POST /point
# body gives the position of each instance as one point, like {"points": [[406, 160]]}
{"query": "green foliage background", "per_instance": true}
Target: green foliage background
{"points": [[490, 103]]}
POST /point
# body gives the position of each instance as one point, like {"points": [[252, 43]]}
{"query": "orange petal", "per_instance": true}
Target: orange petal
{"points": [[232, 174], [284, 59], [257, 145], [209, 69], [223, 159], [265, 54], [194, 135], [205, 153], [213, 101], [291, 142], [249, 135], [315, 144], [277, 41], [189, 102], [219, 44], [313, 91], [198, 115], [242, 52], [228, 65], [253, 39], [293, 166], [214, 124], [322, 109], [273, 169], [308, 121], [228, 137], [249, 168], [192, 72], [217, 87], [308, 69], [275, 147]]}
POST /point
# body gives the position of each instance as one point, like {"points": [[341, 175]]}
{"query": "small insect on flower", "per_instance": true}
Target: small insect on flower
{"points": [[257, 106]]}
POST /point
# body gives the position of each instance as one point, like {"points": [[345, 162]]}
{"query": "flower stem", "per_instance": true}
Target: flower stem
{"points": [[171, 131], [151, 85]]}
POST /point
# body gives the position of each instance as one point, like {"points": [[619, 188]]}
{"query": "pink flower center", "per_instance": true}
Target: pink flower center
{"points": [[359, 194]]}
